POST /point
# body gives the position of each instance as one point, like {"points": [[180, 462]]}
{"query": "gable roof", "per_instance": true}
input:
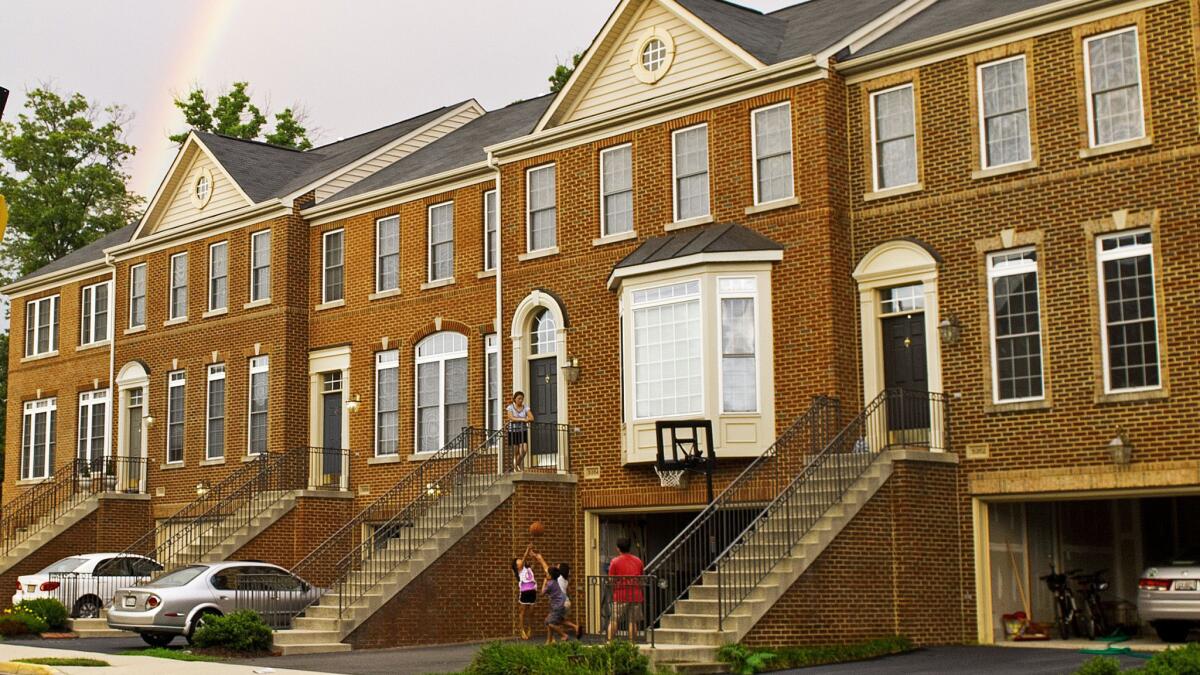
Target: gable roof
{"points": [[723, 238], [942, 17], [459, 148], [92, 252]]}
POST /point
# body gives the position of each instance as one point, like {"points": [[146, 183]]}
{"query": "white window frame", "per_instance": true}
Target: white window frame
{"points": [[1103, 256], [429, 243], [720, 354], [491, 229], [441, 360], [387, 360], [216, 372], [89, 400], [133, 271], [875, 138], [212, 250], [675, 172], [30, 411], [379, 222], [983, 136], [171, 287], [491, 411], [88, 324], [791, 153], [604, 193], [698, 297], [1087, 85], [552, 166], [325, 264], [259, 365], [176, 379], [1013, 268], [32, 309], [254, 239]]}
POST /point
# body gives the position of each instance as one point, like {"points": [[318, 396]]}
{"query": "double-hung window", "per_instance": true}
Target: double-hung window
{"points": [[491, 382], [93, 425], [491, 230], [387, 254], [1004, 112], [178, 299], [176, 384], [37, 438], [542, 217], [772, 132], [616, 190], [41, 326], [689, 149], [441, 403], [218, 276], [387, 402], [93, 310], [137, 296], [1128, 313], [441, 241], [260, 266], [667, 358], [214, 443], [1114, 87], [1016, 326], [257, 436], [894, 137], [739, 369], [333, 266]]}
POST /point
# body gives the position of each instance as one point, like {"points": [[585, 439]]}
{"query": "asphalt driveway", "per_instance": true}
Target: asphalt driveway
{"points": [[975, 660]]}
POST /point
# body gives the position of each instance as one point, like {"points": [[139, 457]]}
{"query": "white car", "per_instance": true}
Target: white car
{"points": [[1169, 597], [85, 583]]}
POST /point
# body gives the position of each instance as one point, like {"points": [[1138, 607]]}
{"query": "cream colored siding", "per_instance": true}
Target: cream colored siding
{"points": [[178, 209], [698, 60], [395, 153]]}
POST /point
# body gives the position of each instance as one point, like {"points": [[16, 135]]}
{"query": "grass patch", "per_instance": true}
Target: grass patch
{"points": [[61, 661], [168, 653], [1183, 660], [747, 660], [561, 658]]}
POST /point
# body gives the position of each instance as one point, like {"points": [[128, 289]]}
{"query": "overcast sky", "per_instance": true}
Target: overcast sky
{"points": [[353, 65]]}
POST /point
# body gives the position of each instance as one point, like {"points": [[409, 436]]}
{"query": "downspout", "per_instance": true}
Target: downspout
{"points": [[112, 356], [500, 389]]}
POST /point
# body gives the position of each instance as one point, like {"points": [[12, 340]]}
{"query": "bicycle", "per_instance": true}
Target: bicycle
{"points": [[1090, 586], [1065, 608]]}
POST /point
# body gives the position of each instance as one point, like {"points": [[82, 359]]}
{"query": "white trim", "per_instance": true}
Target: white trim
{"points": [[171, 287], [753, 296], [1087, 85], [160, 193], [875, 187], [212, 249], [326, 301], [254, 237], [992, 274], [637, 56], [429, 278], [198, 200], [253, 215], [632, 231], [403, 193], [529, 210], [85, 320], [259, 365], [868, 33], [176, 379], [1103, 256], [145, 280], [791, 152], [617, 275], [378, 256], [213, 376], [984, 165], [523, 313], [675, 173]]}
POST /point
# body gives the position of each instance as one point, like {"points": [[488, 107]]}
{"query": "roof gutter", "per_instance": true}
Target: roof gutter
{"points": [[385, 195], [272, 208], [55, 278]]}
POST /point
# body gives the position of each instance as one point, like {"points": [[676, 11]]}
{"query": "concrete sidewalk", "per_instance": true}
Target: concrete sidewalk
{"points": [[137, 665]]}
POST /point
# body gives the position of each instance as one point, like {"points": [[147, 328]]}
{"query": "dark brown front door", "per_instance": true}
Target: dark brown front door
{"points": [[904, 369], [543, 400]]}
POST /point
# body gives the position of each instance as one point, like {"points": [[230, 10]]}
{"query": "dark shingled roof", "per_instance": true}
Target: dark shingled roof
{"points": [[724, 238], [946, 16], [461, 147], [84, 254]]}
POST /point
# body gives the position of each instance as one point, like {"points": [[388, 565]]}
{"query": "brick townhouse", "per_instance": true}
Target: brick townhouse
{"points": [[923, 265]]}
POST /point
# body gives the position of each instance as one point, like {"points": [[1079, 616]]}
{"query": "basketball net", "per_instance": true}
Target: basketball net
{"points": [[672, 478]]}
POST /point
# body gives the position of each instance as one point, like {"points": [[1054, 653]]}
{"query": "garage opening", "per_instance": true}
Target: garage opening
{"points": [[1117, 538]]}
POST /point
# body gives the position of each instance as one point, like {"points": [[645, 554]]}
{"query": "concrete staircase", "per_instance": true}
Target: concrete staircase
{"points": [[320, 630], [29, 539], [222, 537], [95, 628], [690, 635]]}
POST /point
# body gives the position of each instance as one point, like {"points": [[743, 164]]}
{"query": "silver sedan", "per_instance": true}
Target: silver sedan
{"points": [[1169, 597], [180, 602]]}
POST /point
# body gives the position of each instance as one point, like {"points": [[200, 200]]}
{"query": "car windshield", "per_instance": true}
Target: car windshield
{"points": [[179, 577], [64, 565]]}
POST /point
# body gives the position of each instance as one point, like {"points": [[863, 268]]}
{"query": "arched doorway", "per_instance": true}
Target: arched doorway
{"points": [[133, 393], [539, 352]]}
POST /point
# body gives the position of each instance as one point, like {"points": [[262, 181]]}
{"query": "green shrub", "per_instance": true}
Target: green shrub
{"points": [[1100, 665], [241, 631], [53, 612], [747, 661], [1175, 661], [69, 661], [743, 660], [21, 622], [561, 658]]}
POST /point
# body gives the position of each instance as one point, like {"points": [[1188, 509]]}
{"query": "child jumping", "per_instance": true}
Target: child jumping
{"points": [[564, 580], [526, 587], [558, 601]]}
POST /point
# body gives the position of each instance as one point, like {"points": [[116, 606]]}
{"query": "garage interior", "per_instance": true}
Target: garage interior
{"points": [[1121, 536]]}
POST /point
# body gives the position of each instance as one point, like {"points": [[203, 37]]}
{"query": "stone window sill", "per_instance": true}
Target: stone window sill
{"points": [[1005, 169], [263, 302], [992, 408], [332, 304], [894, 192], [93, 345], [1101, 150], [175, 321], [540, 253], [688, 222], [381, 295], [251, 458], [485, 274], [30, 481], [772, 205], [214, 312], [218, 461], [384, 459], [171, 466], [448, 281], [39, 357], [615, 238], [1159, 394], [135, 329]]}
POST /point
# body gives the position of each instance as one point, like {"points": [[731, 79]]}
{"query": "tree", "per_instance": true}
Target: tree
{"points": [[562, 73], [234, 114], [62, 172]]}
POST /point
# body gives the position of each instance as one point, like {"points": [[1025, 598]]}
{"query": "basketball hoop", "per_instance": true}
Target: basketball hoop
{"points": [[672, 478]]}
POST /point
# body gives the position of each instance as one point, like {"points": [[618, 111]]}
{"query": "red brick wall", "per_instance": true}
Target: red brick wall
{"points": [[288, 540]]}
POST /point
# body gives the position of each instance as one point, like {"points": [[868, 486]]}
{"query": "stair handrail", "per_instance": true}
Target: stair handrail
{"points": [[683, 561], [895, 417]]}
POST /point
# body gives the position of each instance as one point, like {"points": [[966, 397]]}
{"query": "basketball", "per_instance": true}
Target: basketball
{"points": [[536, 527]]}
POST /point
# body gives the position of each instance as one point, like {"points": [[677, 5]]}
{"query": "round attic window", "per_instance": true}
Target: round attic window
{"points": [[202, 188], [653, 56]]}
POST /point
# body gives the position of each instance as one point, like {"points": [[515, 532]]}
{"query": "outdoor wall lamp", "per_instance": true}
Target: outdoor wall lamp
{"points": [[148, 420], [571, 370], [1120, 449], [202, 488], [949, 330], [353, 404]]}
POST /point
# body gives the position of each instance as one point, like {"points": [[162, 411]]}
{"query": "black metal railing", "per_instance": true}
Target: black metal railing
{"points": [[86, 594], [275, 596], [42, 504], [683, 561], [537, 446], [623, 606], [328, 468], [895, 418]]}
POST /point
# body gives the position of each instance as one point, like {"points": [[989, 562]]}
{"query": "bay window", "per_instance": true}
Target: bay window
{"points": [[667, 363], [739, 371]]}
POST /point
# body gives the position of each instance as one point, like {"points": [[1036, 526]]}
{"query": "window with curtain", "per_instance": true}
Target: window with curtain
{"points": [[333, 259], [1004, 112], [441, 391], [739, 369], [260, 266], [1114, 83], [893, 125], [93, 309], [491, 230], [179, 286], [387, 254], [441, 241], [137, 296], [543, 208], [690, 165], [93, 425], [1016, 325], [667, 360], [616, 189], [773, 153], [257, 436], [387, 402], [176, 384], [218, 276], [214, 443]]}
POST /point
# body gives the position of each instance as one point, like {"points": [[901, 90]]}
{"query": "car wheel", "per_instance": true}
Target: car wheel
{"points": [[1172, 631], [198, 622], [87, 607], [157, 639]]}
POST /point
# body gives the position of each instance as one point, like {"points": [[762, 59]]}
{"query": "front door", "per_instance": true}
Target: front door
{"points": [[331, 429], [131, 481], [904, 369], [543, 401]]}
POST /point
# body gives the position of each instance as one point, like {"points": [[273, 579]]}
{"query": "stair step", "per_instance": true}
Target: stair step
{"points": [[305, 637], [671, 654], [317, 623], [704, 637], [316, 648]]}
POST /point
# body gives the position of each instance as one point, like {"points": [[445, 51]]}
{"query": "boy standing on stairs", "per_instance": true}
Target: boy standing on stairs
{"points": [[627, 593]]}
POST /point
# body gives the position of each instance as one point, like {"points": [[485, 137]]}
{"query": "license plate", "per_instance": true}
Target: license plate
{"points": [[130, 601], [29, 588], [1184, 585]]}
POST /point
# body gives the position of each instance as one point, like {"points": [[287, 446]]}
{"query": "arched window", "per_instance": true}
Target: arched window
{"points": [[441, 392], [543, 339]]}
